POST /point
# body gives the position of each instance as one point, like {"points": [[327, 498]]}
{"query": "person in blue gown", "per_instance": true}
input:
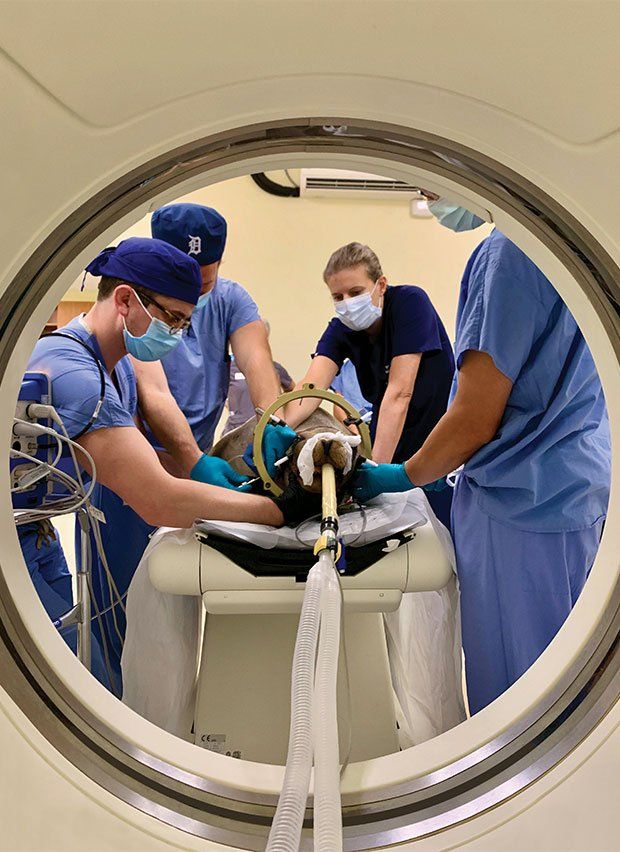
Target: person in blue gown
{"points": [[528, 421], [147, 292], [226, 320]]}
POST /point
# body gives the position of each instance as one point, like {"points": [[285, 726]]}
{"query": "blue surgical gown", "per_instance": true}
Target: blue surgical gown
{"points": [[51, 578], [75, 392], [198, 370], [529, 506], [346, 383]]}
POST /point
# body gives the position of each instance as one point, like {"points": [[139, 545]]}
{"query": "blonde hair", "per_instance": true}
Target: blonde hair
{"points": [[353, 254]]}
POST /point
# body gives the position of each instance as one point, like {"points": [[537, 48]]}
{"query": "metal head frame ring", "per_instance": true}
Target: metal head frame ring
{"points": [[308, 390]]}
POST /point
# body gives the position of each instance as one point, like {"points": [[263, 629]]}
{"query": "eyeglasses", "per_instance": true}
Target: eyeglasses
{"points": [[178, 321]]}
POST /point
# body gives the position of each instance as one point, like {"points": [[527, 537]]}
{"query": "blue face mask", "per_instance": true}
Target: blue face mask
{"points": [[158, 340], [454, 217], [202, 300], [358, 313]]}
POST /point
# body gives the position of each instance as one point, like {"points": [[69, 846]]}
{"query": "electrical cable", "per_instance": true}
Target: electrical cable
{"points": [[94, 525], [361, 509], [272, 188], [102, 632], [115, 597], [19, 489], [288, 174], [54, 512], [62, 507], [71, 443], [113, 590], [111, 606], [92, 352], [309, 520]]}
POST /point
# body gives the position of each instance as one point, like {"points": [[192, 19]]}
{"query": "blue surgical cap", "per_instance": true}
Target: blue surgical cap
{"points": [[153, 264], [196, 230]]}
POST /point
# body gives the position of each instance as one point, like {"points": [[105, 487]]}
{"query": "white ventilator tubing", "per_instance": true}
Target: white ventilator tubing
{"points": [[327, 804], [285, 831]]}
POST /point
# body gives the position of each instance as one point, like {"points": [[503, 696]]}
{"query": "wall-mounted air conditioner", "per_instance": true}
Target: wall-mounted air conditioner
{"points": [[337, 183]]}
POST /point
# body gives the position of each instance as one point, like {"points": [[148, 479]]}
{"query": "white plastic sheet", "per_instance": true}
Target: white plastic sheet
{"points": [[382, 517], [162, 642]]}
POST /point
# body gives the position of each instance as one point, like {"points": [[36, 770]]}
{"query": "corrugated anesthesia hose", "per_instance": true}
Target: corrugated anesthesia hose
{"points": [[286, 828], [314, 700], [327, 804]]}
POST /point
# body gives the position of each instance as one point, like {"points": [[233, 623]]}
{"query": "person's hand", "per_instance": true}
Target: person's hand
{"points": [[438, 485], [276, 442], [215, 471], [370, 480]]}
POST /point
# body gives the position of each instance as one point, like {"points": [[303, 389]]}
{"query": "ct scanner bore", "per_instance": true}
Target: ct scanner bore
{"points": [[391, 807]]}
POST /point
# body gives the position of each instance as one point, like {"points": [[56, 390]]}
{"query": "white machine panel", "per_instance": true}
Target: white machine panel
{"points": [[244, 688]]}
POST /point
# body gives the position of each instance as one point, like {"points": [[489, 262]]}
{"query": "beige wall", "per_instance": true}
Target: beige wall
{"points": [[277, 248]]}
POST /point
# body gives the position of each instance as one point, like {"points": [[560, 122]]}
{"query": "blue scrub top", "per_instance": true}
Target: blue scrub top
{"points": [[347, 384], [410, 325], [76, 387], [76, 383], [198, 370], [548, 467]]}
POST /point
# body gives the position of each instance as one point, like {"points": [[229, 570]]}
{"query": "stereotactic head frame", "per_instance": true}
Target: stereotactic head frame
{"points": [[308, 390]]}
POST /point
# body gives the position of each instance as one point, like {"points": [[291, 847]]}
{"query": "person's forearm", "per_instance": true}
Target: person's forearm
{"points": [[392, 416], [262, 379], [453, 441], [170, 427], [320, 374], [182, 501], [170, 465], [298, 411]]}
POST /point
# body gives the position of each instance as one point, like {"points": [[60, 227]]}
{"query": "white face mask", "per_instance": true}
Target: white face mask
{"points": [[358, 313]]}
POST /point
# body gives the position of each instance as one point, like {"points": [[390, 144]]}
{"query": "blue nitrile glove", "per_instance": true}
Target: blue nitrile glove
{"points": [[438, 485], [276, 441], [215, 471], [371, 480]]}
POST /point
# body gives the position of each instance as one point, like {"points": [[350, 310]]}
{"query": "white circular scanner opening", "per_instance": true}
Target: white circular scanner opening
{"points": [[390, 799]]}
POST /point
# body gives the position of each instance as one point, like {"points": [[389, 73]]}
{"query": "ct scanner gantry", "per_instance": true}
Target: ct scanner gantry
{"points": [[110, 109]]}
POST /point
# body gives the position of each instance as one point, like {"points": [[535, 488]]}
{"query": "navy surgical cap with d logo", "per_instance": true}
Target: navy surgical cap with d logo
{"points": [[198, 231]]}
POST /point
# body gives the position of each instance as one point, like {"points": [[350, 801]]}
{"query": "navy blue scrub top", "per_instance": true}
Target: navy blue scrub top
{"points": [[410, 325]]}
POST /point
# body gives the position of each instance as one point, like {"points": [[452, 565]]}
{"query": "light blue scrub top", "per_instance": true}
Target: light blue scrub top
{"points": [[198, 370], [76, 382], [347, 384], [548, 467]]}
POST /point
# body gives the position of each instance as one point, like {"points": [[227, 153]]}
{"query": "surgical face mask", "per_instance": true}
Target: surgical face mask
{"points": [[158, 340], [454, 217], [358, 313], [202, 300]]}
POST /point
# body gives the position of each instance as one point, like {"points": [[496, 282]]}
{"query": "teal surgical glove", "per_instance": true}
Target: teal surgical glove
{"points": [[214, 471], [372, 480], [276, 442], [437, 485]]}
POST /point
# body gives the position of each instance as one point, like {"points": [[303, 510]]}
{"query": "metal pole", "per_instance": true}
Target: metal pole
{"points": [[83, 593]]}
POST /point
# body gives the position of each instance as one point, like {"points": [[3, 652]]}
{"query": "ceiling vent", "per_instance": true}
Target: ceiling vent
{"points": [[337, 183]]}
